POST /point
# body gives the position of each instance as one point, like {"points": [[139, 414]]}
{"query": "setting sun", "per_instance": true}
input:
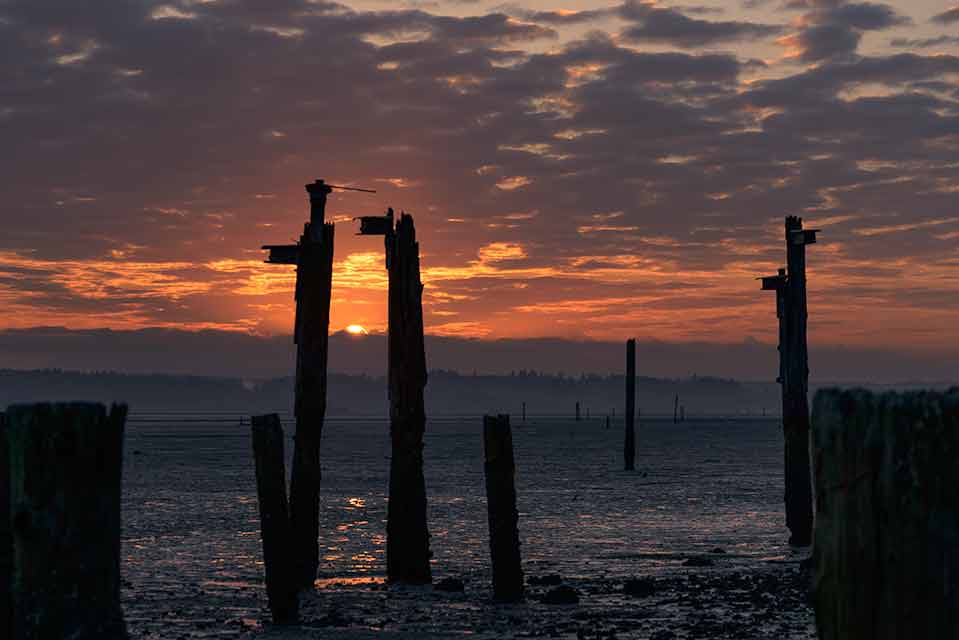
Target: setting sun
{"points": [[356, 330]]}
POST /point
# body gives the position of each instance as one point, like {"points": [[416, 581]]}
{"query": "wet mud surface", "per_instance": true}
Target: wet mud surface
{"points": [[691, 545]]}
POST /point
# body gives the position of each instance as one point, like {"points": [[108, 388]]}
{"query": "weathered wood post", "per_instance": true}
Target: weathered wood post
{"points": [[6, 536], [799, 508], [314, 282], [501, 504], [629, 444], [676, 409], [65, 469], [407, 535], [277, 534], [790, 288], [577, 411], [313, 257], [886, 549], [682, 413]]}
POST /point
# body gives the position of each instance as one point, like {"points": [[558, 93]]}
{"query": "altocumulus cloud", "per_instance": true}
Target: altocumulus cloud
{"points": [[178, 134]]}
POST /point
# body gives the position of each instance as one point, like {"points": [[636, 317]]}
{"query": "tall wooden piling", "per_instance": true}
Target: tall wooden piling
{"points": [[276, 532], [65, 469], [886, 550], [676, 409], [407, 535], [577, 411], [314, 281], [629, 443], [6, 536], [799, 508], [791, 311], [501, 503]]}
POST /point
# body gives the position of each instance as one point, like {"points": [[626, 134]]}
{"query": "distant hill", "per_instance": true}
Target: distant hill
{"points": [[446, 393], [242, 355]]}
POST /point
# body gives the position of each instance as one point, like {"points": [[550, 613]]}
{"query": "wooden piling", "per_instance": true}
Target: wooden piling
{"points": [[6, 536], [682, 413], [524, 413], [501, 503], [577, 411], [65, 469], [886, 548], [795, 386], [276, 532], [629, 444], [676, 409], [407, 535], [314, 281]]}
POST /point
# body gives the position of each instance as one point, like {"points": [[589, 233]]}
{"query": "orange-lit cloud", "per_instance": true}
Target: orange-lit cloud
{"points": [[610, 172]]}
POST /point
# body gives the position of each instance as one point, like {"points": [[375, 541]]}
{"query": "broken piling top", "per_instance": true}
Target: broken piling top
{"points": [[796, 235], [774, 283], [318, 191], [376, 225]]}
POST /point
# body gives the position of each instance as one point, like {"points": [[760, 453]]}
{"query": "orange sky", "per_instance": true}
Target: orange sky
{"points": [[617, 172]]}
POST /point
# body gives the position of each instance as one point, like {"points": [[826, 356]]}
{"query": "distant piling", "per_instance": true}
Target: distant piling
{"points": [[682, 413], [524, 413], [276, 532], [503, 516], [407, 535], [65, 463], [577, 411], [676, 409], [886, 556], [629, 442]]}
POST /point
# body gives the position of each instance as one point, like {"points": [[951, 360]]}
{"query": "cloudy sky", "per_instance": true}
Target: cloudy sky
{"points": [[585, 169]]}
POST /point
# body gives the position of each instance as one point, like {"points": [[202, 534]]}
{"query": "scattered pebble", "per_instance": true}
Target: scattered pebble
{"points": [[454, 585], [563, 594], [640, 587]]}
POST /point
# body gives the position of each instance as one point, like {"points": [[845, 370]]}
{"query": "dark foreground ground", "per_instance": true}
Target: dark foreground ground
{"points": [[765, 601]]}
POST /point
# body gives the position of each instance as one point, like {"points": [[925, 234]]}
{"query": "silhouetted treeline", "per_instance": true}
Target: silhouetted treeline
{"points": [[447, 392]]}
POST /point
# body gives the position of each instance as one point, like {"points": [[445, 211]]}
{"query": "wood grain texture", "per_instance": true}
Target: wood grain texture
{"points": [[886, 546], [407, 534], [314, 282], [65, 470]]}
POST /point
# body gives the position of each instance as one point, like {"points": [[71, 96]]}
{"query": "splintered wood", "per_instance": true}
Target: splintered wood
{"points": [[407, 536]]}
